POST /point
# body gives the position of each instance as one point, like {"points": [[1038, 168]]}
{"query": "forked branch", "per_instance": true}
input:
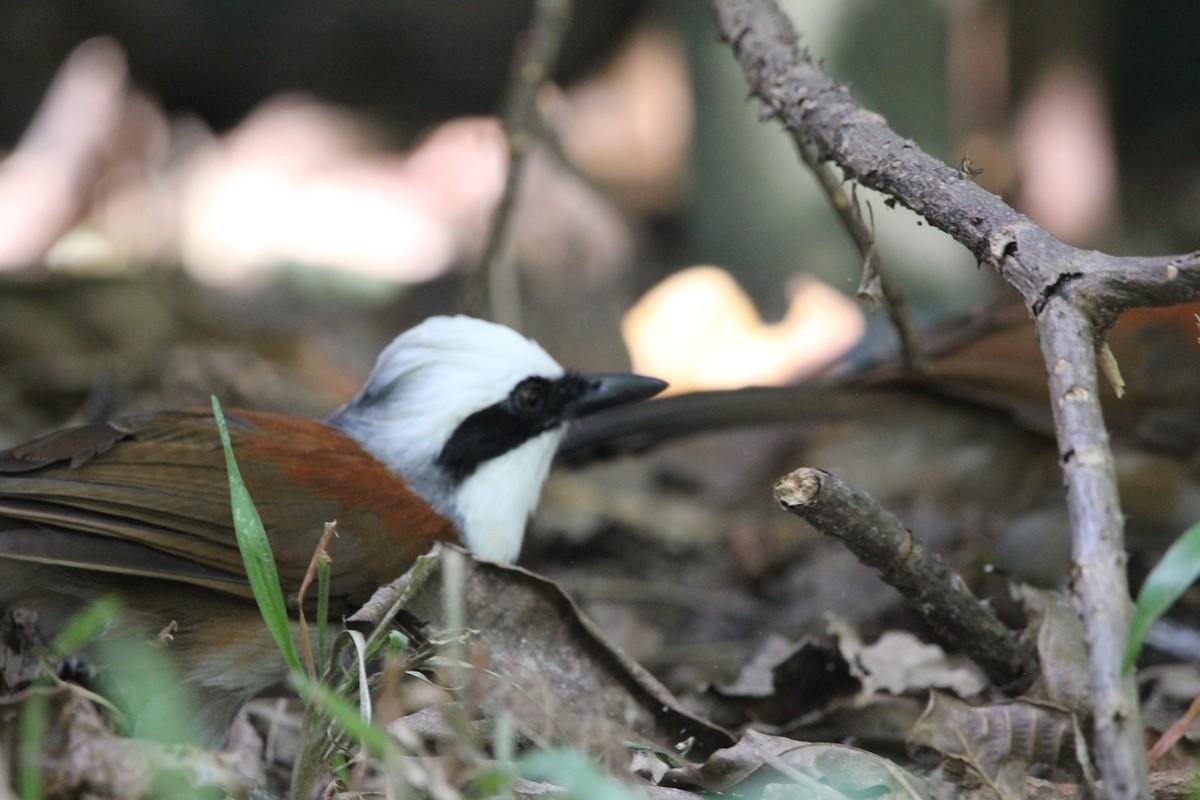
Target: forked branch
{"points": [[1074, 296]]}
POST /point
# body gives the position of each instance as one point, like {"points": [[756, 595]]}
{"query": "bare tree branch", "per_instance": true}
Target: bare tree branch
{"points": [[1074, 295], [795, 90], [537, 54], [938, 594], [1097, 542]]}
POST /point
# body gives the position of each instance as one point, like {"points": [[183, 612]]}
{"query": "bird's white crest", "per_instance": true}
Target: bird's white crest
{"points": [[425, 383]]}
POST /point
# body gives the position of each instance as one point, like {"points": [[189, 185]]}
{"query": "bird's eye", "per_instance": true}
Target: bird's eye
{"points": [[530, 397]]}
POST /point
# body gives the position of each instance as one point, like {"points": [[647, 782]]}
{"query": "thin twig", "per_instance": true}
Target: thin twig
{"points": [[497, 286], [875, 272], [1173, 734], [1074, 295], [939, 595], [321, 552], [639, 427]]}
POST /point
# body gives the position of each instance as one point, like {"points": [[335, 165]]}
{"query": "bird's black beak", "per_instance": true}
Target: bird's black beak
{"points": [[598, 392]]}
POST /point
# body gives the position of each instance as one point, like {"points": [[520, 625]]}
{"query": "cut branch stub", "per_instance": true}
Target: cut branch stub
{"points": [[939, 594]]}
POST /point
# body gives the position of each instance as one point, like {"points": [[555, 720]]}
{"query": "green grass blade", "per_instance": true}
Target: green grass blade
{"points": [[1170, 578], [346, 715], [322, 610], [256, 553], [85, 626], [35, 718]]}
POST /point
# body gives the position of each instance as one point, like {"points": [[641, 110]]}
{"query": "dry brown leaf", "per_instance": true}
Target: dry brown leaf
{"points": [[82, 757], [551, 669], [899, 662], [997, 745], [1061, 649], [781, 766]]}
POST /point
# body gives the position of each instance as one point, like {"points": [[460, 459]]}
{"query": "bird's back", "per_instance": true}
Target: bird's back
{"points": [[148, 495]]}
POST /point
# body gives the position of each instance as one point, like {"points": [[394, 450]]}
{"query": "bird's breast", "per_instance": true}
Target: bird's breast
{"points": [[383, 524]]}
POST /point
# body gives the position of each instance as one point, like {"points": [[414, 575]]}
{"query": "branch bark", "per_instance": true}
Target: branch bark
{"points": [[792, 88], [1074, 295], [937, 593]]}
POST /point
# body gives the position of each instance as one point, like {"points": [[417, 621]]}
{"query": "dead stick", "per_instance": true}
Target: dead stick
{"points": [[940, 596]]}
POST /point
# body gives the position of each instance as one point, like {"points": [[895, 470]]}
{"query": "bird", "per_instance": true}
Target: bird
{"points": [[450, 439]]}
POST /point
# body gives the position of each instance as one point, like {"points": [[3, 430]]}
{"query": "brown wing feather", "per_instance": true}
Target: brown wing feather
{"points": [[157, 484], [51, 546], [75, 445]]}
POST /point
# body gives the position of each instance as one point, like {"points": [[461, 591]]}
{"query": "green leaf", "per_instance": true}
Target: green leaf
{"points": [[256, 553], [575, 773], [86, 625], [143, 682], [1170, 578]]}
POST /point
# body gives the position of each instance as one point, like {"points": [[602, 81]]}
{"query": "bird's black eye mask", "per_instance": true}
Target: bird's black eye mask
{"points": [[534, 406]]}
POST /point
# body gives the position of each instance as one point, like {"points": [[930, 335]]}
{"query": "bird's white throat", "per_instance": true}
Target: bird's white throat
{"points": [[495, 502]]}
